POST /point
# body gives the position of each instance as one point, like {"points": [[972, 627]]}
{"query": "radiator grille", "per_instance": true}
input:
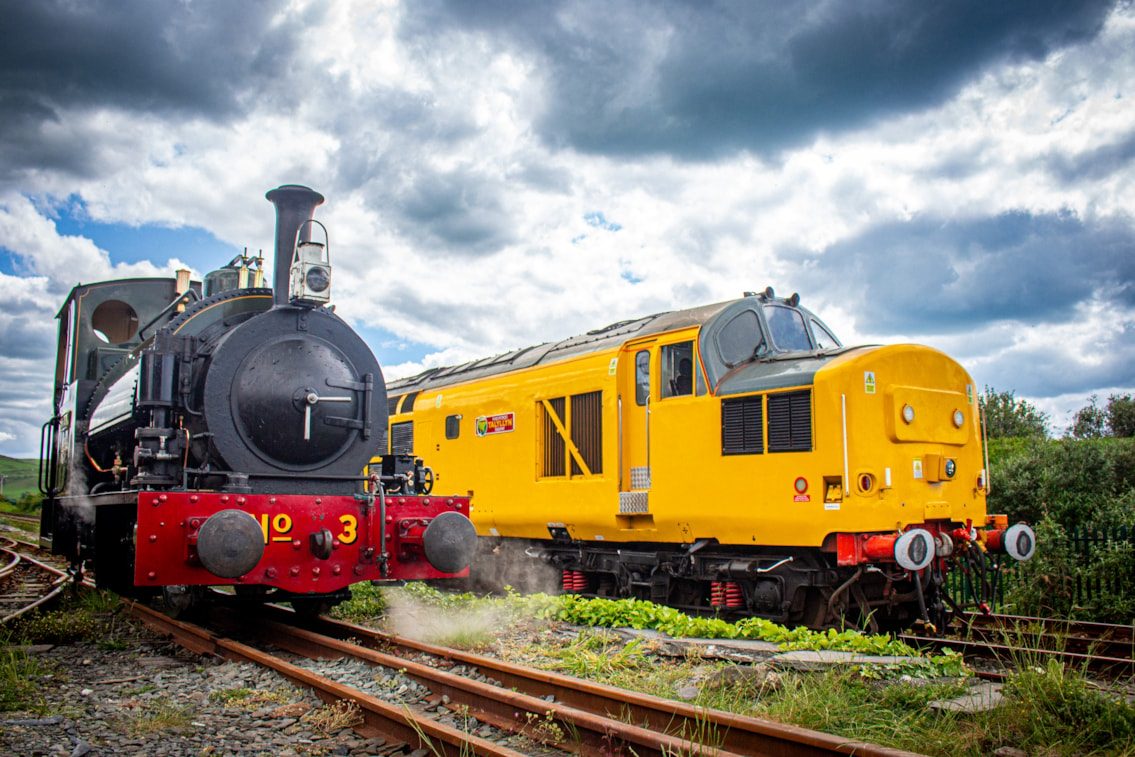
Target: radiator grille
{"points": [[587, 431], [402, 438], [742, 426], [555, 452], [790, 421]]}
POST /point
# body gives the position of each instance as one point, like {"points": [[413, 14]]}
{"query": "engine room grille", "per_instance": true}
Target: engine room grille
{"points": [[555, 452], [790, 421], [587, 431], [742, 426], [402, 438], [581, 418]]}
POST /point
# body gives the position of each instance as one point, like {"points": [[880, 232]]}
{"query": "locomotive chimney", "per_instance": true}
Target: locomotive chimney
{"points": [[294, 205]]}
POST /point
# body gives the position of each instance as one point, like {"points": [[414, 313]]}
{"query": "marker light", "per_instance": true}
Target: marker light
{"points": [[959, 418], [951, 468], [914, 549], [908, 413]]}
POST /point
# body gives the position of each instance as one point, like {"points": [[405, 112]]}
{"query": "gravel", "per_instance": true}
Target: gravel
{"points": [[153, 698]]}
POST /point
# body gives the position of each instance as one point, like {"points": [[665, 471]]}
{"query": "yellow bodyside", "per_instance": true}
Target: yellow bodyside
{"points": [[694, 490]]}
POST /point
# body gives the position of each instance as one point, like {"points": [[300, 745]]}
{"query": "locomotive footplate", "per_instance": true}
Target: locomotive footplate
{"points": [[297, 543]]}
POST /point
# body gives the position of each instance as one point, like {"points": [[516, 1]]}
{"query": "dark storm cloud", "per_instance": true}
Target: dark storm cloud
{"points": [[458, 212], [190, 59], [933, 276], [698, 79], [1096, 164]]}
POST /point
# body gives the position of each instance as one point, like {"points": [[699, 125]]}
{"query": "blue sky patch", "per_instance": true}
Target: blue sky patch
{"points": [[149, 242], [599, 221]]}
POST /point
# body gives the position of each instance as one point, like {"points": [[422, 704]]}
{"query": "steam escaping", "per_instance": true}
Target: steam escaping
{"points": [[463, 627]]}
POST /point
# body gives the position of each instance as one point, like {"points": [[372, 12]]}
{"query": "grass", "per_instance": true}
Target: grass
{"points": [[17, 682], [251, 699], [155, 716], [366, 604], [332, 718], [1047, 710]]}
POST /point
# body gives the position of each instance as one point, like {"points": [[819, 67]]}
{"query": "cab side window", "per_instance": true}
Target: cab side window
{"points": [[642, 377], [678, 369]]}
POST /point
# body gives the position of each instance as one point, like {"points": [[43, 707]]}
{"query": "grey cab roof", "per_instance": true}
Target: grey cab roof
{"points": [[781, 370], [583, 344]]}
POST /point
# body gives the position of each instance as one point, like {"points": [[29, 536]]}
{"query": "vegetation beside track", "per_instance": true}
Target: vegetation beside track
{"points": [[20, 491], [1075, 492], [1047, 710], [81, 616]]}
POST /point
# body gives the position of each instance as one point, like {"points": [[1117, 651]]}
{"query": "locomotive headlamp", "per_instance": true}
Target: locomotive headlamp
{"points": [[914, 549], [311, 272], [317, 279], [950, 468], [959, 418], [908, 413]]}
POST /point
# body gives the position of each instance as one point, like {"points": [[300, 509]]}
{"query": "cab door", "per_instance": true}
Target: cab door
{"points": [[635, 398]]}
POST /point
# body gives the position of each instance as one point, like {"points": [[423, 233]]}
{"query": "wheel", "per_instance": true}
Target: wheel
{"points": [[179, 600], [309, 608]]}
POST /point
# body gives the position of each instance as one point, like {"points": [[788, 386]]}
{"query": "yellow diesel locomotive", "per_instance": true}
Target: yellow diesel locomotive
{"points": [[734, 458]]}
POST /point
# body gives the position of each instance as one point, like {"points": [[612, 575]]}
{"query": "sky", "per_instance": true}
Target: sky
{"points": [[499, 174]]}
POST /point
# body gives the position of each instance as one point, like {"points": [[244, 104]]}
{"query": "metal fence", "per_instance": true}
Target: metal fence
{"points": [[1085, 572]]}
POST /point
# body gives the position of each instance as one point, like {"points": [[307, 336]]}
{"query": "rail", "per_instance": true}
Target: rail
{"points": [[590, 718]]}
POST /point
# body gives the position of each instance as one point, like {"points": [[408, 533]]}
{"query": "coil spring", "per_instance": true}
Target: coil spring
{"points": [[726, 594], [574, 581]]}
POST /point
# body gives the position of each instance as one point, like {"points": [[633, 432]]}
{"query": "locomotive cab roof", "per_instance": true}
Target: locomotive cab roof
{"points": [[756, 329]]}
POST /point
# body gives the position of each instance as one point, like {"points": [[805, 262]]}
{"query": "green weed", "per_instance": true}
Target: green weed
{"points": [[366, 603], [155, 716], [55, 627], [17, 684]]}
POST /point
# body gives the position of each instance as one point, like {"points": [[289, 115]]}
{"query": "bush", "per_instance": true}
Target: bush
{"points": [[1074, 492], [1075, 482]]}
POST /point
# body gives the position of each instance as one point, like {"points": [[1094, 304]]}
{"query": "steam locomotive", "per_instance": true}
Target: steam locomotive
{"points": [[734, 458], [218, 434]]}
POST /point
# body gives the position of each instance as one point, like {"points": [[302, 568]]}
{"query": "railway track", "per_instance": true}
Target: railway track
{"points": [[1100, 647], [545, 713], [26, 583]]}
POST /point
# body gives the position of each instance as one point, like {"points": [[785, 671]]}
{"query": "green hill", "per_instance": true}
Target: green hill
{"points": [[20, 477]]}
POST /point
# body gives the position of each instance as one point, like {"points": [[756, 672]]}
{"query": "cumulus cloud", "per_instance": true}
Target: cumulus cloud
{"points": [[503, 173], [703, 79]]}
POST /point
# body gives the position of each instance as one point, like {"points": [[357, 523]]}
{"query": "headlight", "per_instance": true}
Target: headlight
{"points": [[318, 279], [908, 413], [959, 418], [951, 468]]}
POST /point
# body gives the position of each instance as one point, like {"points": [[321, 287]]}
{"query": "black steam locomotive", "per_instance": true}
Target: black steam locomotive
{"points": [[219, 434]]}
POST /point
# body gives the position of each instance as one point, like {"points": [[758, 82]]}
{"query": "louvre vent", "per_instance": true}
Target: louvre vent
{"points": [[741, 426], [587, 431], [402, 438], [790, 421], [555, 451]]}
